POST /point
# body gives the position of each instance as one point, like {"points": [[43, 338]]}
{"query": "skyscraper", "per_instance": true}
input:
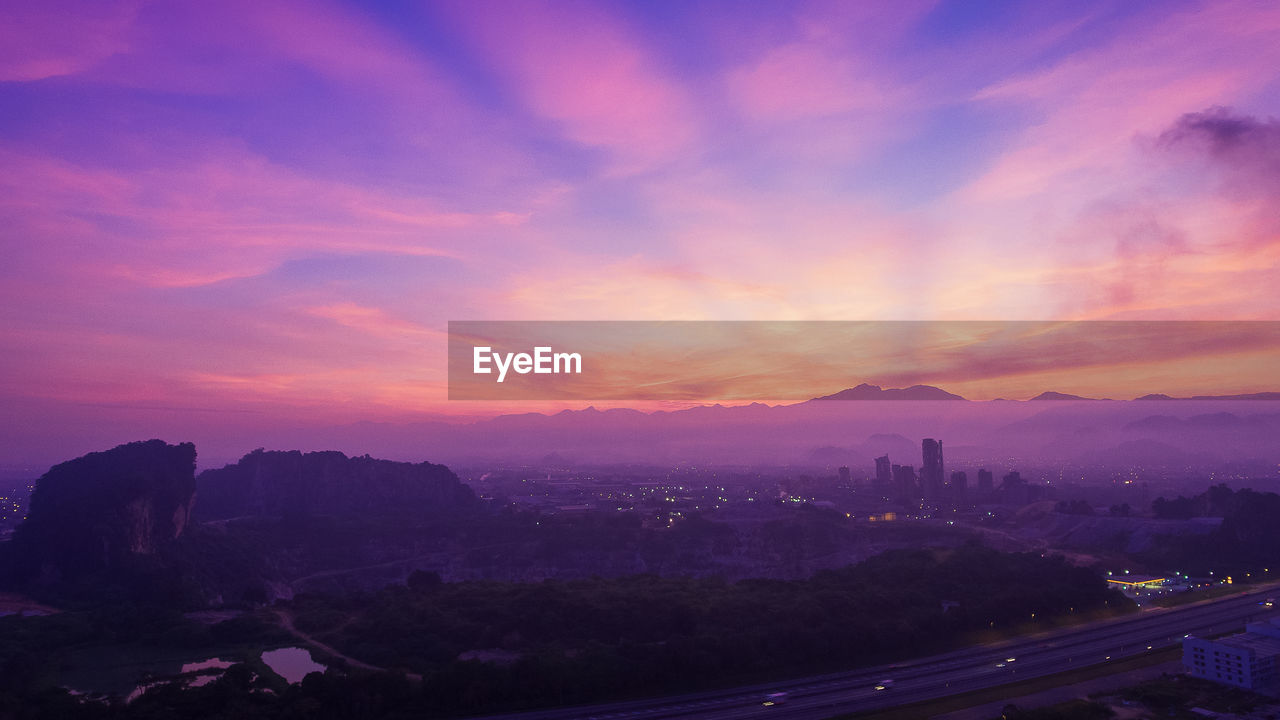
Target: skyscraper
{"points": [[884, 476], [959, 486], [931, 475], [986, 482], [1014, 489], [906, 490]]}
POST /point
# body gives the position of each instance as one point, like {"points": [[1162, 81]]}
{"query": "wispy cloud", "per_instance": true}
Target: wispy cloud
{"points": [[238, 203]]}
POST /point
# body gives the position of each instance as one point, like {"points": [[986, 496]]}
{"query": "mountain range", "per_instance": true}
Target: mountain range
{"points": [[866, 391], [875, 392]]}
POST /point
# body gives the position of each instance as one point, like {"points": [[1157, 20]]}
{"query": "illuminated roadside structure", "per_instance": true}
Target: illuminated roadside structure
{"points": [[1129, 583], [1140, 587]]}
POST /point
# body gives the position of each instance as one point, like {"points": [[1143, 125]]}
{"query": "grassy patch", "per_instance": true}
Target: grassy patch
{"points": [[1174, 696], [1199, 594]]}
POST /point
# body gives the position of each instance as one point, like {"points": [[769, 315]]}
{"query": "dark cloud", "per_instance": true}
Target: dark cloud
{"points": [[1246, 146], [1223, 130]]}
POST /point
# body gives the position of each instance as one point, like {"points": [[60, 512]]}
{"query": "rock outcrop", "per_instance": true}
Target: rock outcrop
{"points": [[94, 512], [292, 483]]}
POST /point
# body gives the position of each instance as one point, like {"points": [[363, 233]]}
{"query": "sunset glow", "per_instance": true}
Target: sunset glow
{"points": [[268, 212]]}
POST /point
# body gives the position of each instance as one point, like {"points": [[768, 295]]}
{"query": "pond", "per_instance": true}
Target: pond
{"points": [[291, 663], [97, 676]]}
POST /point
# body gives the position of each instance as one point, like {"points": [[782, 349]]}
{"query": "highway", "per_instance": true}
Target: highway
{"points": [[974, 668]]}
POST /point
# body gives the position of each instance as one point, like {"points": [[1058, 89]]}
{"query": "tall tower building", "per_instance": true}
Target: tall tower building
{"points": [[959, 486], [906, 489], [884, 476], [986, 482], [931, 474], [1014, 489]]}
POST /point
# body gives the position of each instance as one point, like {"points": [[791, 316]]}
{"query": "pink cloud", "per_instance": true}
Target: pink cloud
{"points": [[229, 214], [1094, 102], [833, 66], [56, 38], [580, 69], [739, 182], [1103, 221], [804, 80], [375, 321]]}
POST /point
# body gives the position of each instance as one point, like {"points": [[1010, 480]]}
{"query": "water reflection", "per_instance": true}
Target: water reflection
{"points": [[291, 663], [199, 673], [210, 664], [101, 681]]}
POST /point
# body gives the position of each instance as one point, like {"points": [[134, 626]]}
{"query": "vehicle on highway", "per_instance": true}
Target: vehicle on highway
{"points": [[885, 684], [774, 699]]}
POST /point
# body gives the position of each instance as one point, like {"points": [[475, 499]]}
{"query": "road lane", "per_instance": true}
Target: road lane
{"points": [[937, 676]]}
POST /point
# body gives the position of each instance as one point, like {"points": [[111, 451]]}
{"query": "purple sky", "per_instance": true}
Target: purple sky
{"points": [[271, 209]]}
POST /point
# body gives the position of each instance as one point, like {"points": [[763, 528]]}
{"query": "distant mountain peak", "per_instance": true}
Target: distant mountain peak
{"points": [[1242, 396], [1051, 395], [867, 391]]}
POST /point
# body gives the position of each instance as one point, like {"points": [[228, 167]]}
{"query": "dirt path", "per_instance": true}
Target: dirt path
{"points": [[286, 621], [297, 582], [23, 605]]}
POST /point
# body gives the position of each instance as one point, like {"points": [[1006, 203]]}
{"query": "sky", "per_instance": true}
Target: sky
{"points": [[271, 210]]}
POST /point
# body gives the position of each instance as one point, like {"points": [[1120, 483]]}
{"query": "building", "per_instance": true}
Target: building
{"points": [[844, 476], [884, 476], [931, 474], [1135, 584], [986, 482], [906, 489], [1014, 490], [1246, 660], [959, 486]]}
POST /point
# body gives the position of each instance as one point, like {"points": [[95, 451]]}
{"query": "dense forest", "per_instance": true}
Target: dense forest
{"points": [[1247, 541], [559, 642]]}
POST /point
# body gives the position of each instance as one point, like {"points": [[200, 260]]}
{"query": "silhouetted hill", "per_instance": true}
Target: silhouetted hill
{"points": [[742, 434], [874, 392], [1244, 396], [280, 483], [898, 448], [1050, 395], [832, 456], [1147, 453], [1156, 423], [95, 512]]}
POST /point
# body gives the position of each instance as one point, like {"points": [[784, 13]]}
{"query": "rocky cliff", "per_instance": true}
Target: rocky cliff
{"points": [[327, 483], [94, 512]]}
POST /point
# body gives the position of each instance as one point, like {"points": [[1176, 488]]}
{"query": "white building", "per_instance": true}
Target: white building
{"points": [[1247, 660]]}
